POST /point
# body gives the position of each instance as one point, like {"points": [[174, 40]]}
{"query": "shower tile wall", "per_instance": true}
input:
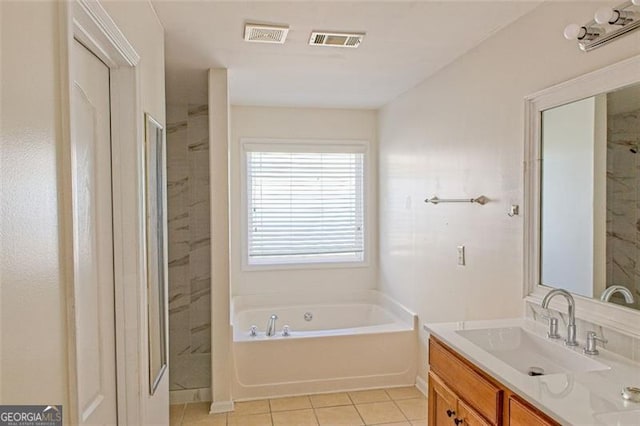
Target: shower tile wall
{"points": [[189, 248], [623, 201]]}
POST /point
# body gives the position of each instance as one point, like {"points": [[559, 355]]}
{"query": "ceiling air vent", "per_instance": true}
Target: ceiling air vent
{"points": [[265, 33], [321, 38]]}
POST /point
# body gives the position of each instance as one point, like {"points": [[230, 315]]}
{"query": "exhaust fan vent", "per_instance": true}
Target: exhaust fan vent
{"points": [[265, 33], [320, 38]]}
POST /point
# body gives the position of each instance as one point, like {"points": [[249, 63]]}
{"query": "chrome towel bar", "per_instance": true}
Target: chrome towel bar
{"points": [[482, 200]]}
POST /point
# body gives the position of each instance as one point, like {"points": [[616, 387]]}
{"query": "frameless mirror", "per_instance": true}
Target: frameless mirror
{"points": [[590, 197], [155, 189]]}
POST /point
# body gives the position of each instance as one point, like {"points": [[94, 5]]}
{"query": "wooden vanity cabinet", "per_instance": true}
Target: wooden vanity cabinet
{"points": [[462, 394], [445, 408]]}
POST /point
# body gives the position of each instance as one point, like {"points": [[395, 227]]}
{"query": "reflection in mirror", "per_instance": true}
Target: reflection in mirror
{"points": [[590, 200]]}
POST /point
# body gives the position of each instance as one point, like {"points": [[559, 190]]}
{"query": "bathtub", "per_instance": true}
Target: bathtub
{"points": [[337, 342]]}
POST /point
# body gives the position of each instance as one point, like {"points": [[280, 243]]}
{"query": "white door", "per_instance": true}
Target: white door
{"points": [[93, 235]]}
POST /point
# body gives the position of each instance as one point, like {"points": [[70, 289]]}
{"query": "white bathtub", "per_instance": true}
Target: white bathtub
{"points": [[354, 341]]}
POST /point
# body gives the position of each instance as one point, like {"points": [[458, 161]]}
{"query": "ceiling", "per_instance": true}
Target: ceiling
{"points": [[405, 42]]}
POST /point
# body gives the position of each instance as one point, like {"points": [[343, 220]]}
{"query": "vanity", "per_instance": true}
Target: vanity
{"points": [[506, 372], [454, 380], [569, 358]]}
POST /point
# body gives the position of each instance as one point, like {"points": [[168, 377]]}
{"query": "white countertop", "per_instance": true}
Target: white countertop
{"points": [[590, 398]]}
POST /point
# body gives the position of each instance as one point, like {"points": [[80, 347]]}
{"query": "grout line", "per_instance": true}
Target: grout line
{"points": [[314, 413], [359, 415], [399, 409], [184, 409]]}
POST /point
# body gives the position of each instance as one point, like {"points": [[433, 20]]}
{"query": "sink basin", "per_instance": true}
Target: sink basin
{"points": [[530, 354]]}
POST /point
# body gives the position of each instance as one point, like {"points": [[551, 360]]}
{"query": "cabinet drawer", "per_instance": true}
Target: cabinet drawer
{"points": [[470, 386]]}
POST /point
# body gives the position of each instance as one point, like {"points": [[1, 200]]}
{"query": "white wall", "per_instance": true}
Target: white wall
{"points": [[460, 133], [567, 223], [221, 365], [33, 355], [301, 123], [141, 26]]}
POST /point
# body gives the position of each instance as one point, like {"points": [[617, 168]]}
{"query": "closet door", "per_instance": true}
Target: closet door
{"points": [[93, 240]]}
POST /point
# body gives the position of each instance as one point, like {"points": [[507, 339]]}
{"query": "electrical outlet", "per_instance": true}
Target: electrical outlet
{"points": [[461, 260]]}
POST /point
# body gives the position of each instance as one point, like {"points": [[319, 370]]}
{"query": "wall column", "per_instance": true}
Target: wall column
{"points": [[220, 294]]}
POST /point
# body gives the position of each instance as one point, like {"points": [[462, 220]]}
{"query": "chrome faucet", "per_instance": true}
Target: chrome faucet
{"points": [[571, 327], [628, 296], [271, 327]]}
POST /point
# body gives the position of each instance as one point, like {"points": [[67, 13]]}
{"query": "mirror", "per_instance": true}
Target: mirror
{"points": [[156, 206], [590, 197]]}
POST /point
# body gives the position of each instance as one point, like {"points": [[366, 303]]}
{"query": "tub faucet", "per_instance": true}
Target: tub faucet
{"points": [[571, 327], [628, 296], [271, 327]]}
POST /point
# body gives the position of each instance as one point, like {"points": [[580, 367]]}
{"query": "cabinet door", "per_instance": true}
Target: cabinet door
{"points": [[467, 416], [442, 403], [523, 415]]}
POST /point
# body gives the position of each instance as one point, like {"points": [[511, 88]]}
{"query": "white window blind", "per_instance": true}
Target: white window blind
{"points": [[304, 207]]}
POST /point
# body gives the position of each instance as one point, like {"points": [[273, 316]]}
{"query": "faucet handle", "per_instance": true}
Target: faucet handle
{"points": [[591, 346], [286, 331], [553, 326], [253, 331]]}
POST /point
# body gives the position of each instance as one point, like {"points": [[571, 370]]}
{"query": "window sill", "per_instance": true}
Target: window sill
{"points": [[303, 266]]}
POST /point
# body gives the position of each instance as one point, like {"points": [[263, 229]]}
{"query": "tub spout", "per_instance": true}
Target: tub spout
{"points": [[271, 327]]}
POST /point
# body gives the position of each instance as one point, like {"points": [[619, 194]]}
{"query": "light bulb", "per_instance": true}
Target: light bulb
{"points": [[604, 15], [574, 31]]}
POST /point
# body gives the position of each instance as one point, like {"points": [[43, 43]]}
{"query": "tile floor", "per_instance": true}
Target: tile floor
{"points": [[392, 407]]}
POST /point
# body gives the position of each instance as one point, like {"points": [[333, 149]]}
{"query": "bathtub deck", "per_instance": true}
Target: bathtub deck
{"points": [[393, 406]]}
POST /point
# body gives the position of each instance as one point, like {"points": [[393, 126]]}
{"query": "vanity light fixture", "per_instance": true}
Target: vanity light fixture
{"points": [[607, 25]]}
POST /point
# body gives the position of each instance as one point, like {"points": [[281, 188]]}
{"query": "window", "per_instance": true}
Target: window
{"points": [[304, 203]]}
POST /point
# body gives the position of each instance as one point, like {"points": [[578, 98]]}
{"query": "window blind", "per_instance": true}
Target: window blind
{"points": [[305, 207]]}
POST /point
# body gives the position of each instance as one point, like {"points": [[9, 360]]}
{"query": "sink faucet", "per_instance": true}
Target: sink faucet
{"points": [[571, 328], [271, 327], [628, 296]]}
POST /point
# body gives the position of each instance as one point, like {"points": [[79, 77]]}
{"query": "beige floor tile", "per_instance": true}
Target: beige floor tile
{"points": [[395, 424], [210, 420], [380, 412], [330, 400], [414, 409], [294, 418], [345, 415], [422, 422], [291, 403], [196, 411], [250, 420], [404, 393], [363, 397], [175, 414], [251, 407]]}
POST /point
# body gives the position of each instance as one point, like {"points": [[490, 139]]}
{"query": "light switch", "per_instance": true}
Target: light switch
{"points": [[461, 260]]}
